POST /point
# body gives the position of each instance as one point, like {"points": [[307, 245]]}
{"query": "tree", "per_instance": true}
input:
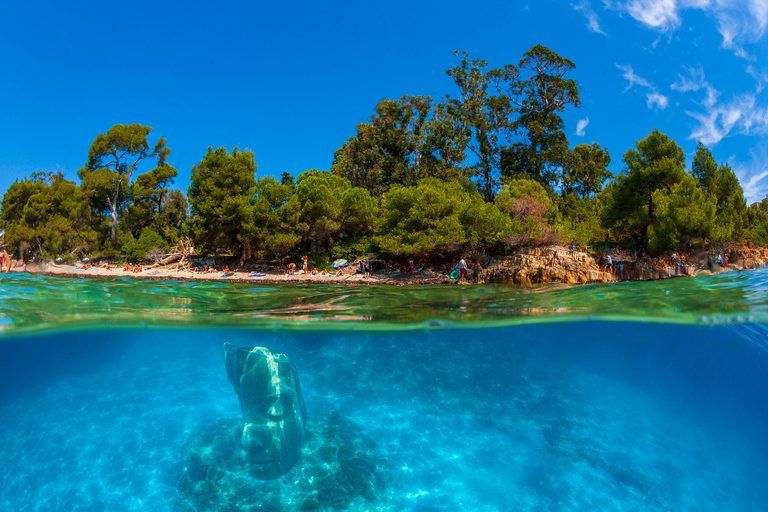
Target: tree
{"points": [[385, 151], [112, 159], [685, 213], [511, 116], [275, 216], [52, 219], [332, 210], [150, 195], [539, 101], [220, 197], [585, 170], [531, 212], [657, 163], [721, 182], [481, 116]]}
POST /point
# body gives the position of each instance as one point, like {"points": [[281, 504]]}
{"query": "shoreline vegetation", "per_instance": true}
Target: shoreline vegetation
{"points": [[484, 174]]}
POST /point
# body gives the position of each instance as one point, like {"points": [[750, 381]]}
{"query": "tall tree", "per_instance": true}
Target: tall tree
{"points": [[540, 99], [482, 115], [721, 182], [112, 159], [656, 163], [511, 116], [220, 197], [150, 195], [385, 150], [585, 170]]}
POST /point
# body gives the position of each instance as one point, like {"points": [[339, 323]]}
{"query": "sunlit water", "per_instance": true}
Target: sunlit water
{"points": [[633, 396]]}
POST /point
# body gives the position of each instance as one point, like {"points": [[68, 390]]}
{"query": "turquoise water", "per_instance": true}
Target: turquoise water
{"points": [[632, 396]]}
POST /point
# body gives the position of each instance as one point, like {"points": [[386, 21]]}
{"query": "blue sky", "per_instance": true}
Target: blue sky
{"points": [[291, 81]]}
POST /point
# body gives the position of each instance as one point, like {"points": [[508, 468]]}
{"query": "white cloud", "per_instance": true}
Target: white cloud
{"points": [[741, 116], [694, 83], [760, 77], [759, 10], [753, 176], [657, 14], [629, 74], [581, 125], [740, 22], [593, 24], [654, 98]]}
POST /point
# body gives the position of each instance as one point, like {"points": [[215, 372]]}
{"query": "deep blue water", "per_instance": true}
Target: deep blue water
{"points": [[578, 415]]}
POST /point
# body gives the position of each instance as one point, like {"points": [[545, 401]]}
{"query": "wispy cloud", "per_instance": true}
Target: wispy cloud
{"points": [[740, 22], [654, 97], [632, 78], [742, 115], [581, 125], [657, 14], [593, 24], [753, 175], [694, 82]]}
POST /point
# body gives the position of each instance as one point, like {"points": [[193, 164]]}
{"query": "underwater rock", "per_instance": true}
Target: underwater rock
{"points": [[338, 470], [267, 387]]}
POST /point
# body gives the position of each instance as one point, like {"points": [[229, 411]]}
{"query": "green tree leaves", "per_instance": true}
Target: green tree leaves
{"points": [[112, 159], [220, 197]]}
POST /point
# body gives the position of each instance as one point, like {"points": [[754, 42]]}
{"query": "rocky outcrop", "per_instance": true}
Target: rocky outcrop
{"points": [[535, 266]]}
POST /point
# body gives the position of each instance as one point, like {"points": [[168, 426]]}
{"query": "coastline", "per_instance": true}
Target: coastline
{"points": [[528, 267]]}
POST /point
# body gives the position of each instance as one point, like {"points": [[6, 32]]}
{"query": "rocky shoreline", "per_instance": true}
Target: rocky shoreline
{"points": [[528, 267]]}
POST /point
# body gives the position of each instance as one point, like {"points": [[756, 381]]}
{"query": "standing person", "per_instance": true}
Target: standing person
{"points": [[305, 263], [476, 269], [609, 264], [554, 259], [367, 272], [5, 258], [726, 261], [462, 269]]}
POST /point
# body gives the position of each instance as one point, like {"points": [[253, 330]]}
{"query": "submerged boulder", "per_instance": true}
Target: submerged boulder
{"points": [[338, 470]]}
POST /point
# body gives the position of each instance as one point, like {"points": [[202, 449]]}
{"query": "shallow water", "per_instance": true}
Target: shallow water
{"points": [[487, 399]]}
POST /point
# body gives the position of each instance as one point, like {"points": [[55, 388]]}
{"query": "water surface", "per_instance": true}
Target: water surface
{"points": [[634, 396]]}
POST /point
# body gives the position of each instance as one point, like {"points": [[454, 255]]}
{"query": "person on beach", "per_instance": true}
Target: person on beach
{"points": [[462, 266], [305, 264], [554, 259], [609, 264], [137, 268], [411, 267], [367, 272], [290, 269], [476, 269], [5, 258]]}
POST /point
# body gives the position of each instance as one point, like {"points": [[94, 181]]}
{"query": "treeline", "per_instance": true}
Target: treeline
{"points": [[485, 170]]}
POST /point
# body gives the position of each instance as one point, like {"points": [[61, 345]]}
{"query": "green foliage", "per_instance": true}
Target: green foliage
{"points": [[332, 210], [657, 163], [540, 99], [385, 150], [149, 240], [47, 218], [685, 213], [112, 159], [276, 209], [722, 183], [220, 196], [437, 216], [585, 170]]}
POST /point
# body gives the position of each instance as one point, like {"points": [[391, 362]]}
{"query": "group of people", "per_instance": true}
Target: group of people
{"points": [[132, 268]]}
